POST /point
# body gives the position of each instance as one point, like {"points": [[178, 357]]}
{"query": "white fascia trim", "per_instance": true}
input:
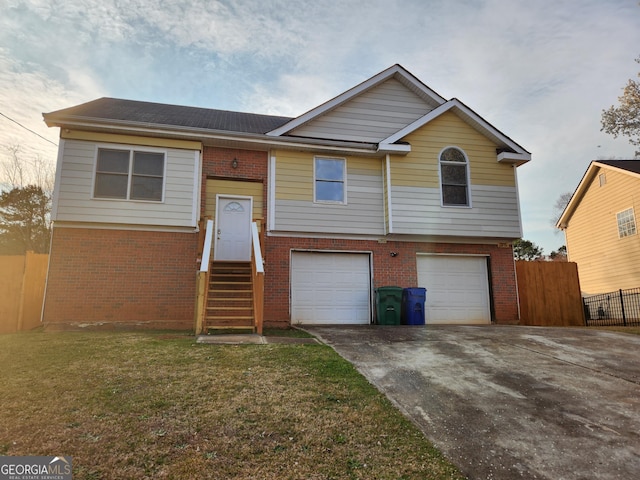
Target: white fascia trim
{"points": [[256, 140], [401, 148], [389, 204], [516, 158], [197, 187], [353, 92], [271, 188], [515, 178], [436, 112], [58, 181], [457, 104]]}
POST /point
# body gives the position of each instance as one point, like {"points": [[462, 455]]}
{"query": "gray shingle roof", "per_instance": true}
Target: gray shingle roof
{"points": [[114, 109], [629, 165]]}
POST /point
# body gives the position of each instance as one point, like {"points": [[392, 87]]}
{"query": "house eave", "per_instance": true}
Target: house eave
{"points": [[513, 158], [213, 137], [576, 198]]}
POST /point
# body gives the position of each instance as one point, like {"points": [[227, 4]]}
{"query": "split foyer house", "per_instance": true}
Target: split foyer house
{"points": [[168, 215], [600, 227]]}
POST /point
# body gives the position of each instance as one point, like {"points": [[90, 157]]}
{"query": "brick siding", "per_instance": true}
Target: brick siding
{"points": [[252, 165], [121, 278], [400, 270]]}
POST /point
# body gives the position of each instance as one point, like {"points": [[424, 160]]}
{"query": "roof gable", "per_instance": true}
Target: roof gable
{"points": [[513, 153], [628, 167], [379, 86]]}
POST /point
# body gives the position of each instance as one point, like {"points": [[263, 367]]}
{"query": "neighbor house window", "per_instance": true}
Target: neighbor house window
{"points": [[626, 223], [129, 174], [454, 177], [329, 180]]}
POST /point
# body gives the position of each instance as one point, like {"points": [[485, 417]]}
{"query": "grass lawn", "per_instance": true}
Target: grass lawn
{"points": [[632, 330], [157, 405]]}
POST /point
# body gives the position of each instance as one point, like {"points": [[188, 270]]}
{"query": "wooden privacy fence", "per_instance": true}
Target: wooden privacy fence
{"points": [[549, 294], [22, 280]]}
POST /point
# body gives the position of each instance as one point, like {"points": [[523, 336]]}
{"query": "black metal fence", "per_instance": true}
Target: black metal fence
{"points": [[621, 308]]}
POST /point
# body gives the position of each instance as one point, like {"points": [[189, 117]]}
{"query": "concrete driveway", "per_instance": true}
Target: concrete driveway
{"points": [[505, 402]]}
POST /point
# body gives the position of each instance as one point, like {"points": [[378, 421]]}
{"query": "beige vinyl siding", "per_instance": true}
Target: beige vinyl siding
{"points": [[605, 262], [494, 214], [75, 202], [234, 187], [295, 210], [130, 139], [420, 166], [416, 198], [370, 117]]}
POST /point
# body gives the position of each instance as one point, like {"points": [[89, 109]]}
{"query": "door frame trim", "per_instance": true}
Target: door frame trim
{"points": [[239, 197]]}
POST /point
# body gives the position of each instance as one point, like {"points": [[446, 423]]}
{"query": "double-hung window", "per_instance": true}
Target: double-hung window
{"points": [[330, 180], [129, 174], [626, 223], [454, 178]]}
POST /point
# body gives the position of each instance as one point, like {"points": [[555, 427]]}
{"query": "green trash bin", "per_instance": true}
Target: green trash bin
{"points": [[388, 305]]}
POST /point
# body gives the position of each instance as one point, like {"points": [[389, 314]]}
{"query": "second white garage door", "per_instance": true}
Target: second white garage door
{"points": [[457, 289], [330, 288]]}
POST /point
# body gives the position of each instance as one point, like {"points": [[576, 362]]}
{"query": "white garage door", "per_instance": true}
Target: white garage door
{"points": [[330, 288], [457, 289]]}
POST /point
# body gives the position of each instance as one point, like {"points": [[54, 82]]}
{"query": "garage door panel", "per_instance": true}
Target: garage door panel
{"points": [[330, 288], [457, 289]]}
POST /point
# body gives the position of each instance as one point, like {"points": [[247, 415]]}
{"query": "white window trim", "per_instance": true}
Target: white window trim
{"points": [[131, 149], [344, 181], [633, 216], [468, 165]]}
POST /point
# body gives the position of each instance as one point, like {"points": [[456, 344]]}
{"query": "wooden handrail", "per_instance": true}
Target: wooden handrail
{"points": [[257, 269], [202, 279]]}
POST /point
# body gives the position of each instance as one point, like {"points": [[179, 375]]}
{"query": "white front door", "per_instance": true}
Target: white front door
{"points": [[233, 228]]}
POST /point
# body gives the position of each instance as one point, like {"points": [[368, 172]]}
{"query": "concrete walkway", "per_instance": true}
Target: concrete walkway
{"points": [[242, 339], [505, 402]]}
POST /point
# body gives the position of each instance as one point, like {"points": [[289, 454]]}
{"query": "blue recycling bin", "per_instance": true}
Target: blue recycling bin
{"points": [[413, 305]]}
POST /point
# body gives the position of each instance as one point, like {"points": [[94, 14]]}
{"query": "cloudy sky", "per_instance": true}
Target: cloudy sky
{"points": [[540, 71]]}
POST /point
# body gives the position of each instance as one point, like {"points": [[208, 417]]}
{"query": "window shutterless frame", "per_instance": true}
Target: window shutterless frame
{"points": [[330, 180], [129, 173], [455, 178], [626, 221]]}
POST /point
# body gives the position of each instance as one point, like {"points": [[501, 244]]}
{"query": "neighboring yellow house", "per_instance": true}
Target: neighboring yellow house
{"points": [[600, 226]]}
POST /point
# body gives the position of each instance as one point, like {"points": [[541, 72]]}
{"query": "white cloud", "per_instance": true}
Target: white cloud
{"points": [[539, 71]]}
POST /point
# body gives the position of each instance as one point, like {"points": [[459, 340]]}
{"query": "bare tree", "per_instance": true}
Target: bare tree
{"points": [[625, 118], [20, 171], [558, 208]]}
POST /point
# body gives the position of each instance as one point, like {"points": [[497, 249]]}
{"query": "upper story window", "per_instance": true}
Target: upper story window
{"points": [[454, 177], [626, 223], [129, 174], [330, 180]]}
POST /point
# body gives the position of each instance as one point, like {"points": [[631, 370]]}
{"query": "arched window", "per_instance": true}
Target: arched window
{"points": [[454, 177]]}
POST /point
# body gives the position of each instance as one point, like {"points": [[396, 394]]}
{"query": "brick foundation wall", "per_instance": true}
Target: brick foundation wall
{"points": [[121, 278], [400, 270]]}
